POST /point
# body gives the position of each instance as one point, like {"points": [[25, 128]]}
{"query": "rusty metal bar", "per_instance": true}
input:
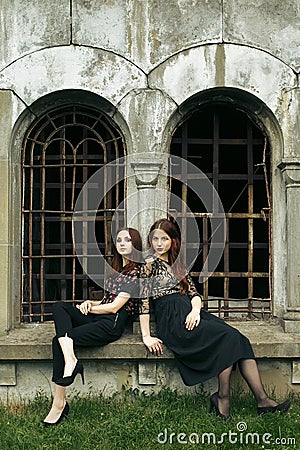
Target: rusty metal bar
{"points": [[216, 143], [85, 175], [250, 211], [62, 207], [232, 274], [227, 214], [269, 209], [69, 218], [42, 230], [40, 166], [222, 141], [37, 257], [226, 266], [205, 254], [30, 230], [184, 191], [106, 203]]}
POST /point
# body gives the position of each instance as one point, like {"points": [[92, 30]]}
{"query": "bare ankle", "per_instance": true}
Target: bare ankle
{"points": [[59, 404]]}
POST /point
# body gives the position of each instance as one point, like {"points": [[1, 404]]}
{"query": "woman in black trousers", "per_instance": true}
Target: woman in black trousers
{"points": [[94, 323]]}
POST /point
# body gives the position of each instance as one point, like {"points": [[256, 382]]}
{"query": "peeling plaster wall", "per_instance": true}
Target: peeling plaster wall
{"points": [[147, 58], [109, 46], [147, 33], [28, 26]]}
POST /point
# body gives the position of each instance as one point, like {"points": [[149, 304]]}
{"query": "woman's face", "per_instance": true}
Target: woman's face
{"points": [[161, 242], [123, 243]]}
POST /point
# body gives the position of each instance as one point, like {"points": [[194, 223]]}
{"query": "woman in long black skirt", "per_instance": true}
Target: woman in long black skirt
{"points": [[94, 323], [203, 345]]}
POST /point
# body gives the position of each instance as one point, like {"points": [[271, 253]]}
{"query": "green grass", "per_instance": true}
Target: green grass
{"points": [[131, 420]]}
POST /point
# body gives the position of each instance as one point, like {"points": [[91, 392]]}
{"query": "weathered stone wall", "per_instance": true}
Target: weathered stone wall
{"points": [[152, 61], [148, 32], [110, 377], [25, 355]]}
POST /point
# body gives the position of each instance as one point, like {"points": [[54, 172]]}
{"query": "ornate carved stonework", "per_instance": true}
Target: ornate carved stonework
{"points": [[291, 171], [146, 173]]}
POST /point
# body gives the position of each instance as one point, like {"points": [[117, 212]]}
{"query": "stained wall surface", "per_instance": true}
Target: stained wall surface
{"points": [[151, 61]]}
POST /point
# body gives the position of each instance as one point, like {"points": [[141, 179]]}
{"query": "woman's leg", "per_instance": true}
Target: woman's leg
{"points": [[67, 348], [58, 360], [58, 404], [95, 333], [224, 391], [66, 318], [249, 371]]}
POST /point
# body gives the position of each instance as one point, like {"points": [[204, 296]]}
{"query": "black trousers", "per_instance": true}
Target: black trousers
{"points": [[85, 330]]}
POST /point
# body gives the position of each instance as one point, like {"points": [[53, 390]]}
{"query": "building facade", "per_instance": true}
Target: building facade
{"points": [[176, 92]]}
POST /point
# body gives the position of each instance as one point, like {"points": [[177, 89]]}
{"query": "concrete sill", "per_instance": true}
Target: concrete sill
{"points": [[33, 342]]}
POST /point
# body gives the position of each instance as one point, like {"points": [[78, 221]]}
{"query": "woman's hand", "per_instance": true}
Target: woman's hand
{"points": [[85, 307], [192, 319], [153, 344]]}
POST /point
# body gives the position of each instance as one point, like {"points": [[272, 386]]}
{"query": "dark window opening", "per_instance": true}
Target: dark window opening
{"points": [[234, 154], [61, 151]]}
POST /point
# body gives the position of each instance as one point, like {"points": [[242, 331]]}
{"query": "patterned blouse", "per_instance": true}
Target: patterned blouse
{"points": [[124, 282], [157, 280]]}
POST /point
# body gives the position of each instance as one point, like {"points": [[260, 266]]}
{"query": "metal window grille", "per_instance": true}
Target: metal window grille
{"points": [[234, 154], [61, 151]]}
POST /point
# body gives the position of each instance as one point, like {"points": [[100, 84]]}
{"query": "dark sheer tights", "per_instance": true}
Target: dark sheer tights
{"points": [[250, 373], [224, 391]]}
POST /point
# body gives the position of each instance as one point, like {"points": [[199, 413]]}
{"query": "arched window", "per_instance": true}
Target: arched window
{"points": [[234, 154], [61, 150]]}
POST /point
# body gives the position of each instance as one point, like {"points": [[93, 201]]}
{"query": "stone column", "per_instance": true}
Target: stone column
{"points": [[10, 209], [291, 171], [5, 211], [147, 113], [289, 164], [149, 202]]}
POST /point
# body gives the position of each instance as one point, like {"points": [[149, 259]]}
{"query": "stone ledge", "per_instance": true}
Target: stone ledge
{"points": [[33, 342]]}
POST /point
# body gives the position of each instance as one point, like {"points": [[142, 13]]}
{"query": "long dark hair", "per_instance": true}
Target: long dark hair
{"points": [[135, 257], [174, 256]]}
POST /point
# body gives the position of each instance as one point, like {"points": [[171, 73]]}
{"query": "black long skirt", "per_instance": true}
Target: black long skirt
{"points": [[203, 352]]}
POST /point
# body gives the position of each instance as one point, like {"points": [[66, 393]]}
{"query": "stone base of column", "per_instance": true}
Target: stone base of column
{"points": [[291, 322]]}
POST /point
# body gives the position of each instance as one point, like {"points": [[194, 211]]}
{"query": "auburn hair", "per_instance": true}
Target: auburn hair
{"points": [[135, 257], [171, 228]]}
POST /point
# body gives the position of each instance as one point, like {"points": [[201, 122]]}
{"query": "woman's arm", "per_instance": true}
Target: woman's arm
{"points": [[196, 303], [153, 344], [193, 318], [126, 283], [104, 308]]}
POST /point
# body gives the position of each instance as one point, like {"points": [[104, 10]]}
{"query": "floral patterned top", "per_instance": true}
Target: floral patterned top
{"points": [[124, 282], [158, 280]]}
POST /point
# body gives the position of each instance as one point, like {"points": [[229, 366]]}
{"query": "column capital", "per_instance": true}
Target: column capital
{"points": [[290, 169], [146, 173]]}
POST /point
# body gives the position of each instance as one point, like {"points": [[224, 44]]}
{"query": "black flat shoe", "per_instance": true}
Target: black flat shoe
{"points": [[64, 414], [66, 381], [282, 408], [215, 407]]}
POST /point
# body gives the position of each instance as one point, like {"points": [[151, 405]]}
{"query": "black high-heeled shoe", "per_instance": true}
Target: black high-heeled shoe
{"points": [[67, 381], [64, 414], [215, 407], [282, 408]]}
